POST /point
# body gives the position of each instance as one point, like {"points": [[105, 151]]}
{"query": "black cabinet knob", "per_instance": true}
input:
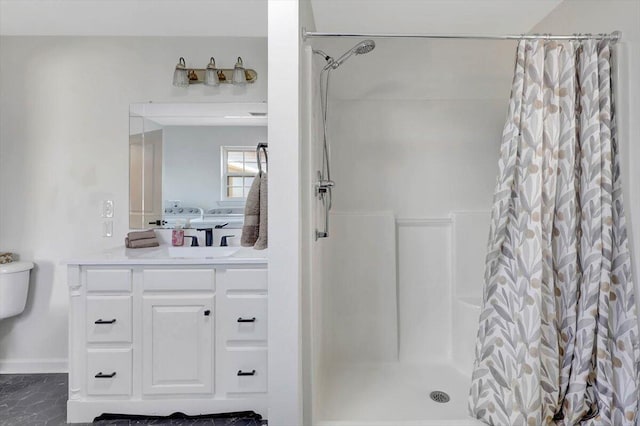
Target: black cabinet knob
{"points": [[207, 313]]}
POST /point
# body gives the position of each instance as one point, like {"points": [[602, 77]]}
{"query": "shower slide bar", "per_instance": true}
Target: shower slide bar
{"points": [[614, 36]]}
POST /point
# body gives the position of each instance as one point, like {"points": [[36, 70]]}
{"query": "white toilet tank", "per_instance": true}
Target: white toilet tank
{"points": [[14, 286]]}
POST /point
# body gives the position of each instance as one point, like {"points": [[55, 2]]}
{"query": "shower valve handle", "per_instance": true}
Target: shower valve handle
{"points": [[323, 186]]}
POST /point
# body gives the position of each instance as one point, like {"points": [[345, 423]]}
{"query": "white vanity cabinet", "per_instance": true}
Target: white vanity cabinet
{"points": [[154, 339]]}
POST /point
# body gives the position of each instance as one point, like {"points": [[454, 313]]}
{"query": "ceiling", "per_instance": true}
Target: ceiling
{"points": [[430, 16], [211, 17], [134, 17]]}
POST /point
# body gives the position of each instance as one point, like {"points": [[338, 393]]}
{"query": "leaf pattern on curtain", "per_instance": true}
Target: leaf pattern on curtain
{"points": [[558, 334]]}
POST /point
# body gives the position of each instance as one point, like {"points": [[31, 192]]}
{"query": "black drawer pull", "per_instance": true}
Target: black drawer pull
{"points": [[247, 319], [245, 373], [101, 321], [105, 376], [207, 313]]}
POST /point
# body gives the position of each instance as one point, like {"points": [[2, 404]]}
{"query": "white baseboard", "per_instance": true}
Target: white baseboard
{"points": [[33, 366]]}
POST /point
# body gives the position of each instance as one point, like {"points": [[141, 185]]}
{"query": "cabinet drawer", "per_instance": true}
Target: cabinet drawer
{"points": [[108, 319], [179, 279], [246, 371], [109, 280], [245, 318], [113, 370], [246, 279]]}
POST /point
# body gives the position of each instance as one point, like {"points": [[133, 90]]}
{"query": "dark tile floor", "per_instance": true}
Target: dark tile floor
{"points": [[41, 399]]}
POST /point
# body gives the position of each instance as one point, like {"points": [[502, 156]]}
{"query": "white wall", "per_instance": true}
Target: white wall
{"points": [[418, 158], [191, 169], [415, 129], [360, 319], [311, 255], [64, 127], [285, 341], [598, 16]]}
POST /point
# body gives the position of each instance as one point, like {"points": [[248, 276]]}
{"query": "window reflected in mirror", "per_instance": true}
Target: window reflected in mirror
{"points": [[239, 168]]}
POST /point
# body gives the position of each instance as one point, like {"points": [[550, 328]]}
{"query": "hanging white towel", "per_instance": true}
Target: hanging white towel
{"points": [[261, 243], [254, 230]]}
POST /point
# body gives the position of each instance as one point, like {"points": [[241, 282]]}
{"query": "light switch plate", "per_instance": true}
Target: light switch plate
{"points": [[106, 208], [107, 228]]}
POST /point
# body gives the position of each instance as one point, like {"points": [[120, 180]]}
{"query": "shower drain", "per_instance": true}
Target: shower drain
{"points": [[439, 396]]}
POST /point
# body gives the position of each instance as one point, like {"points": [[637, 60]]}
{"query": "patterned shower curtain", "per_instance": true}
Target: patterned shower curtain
{"points": [[558, 336]]}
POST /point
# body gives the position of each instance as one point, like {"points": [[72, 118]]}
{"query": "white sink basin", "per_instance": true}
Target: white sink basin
{"points": [[202, 252]]}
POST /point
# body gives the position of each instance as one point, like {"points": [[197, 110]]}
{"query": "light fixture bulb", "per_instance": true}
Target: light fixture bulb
{"points": [[211, 74], [180, 76], [239, 76]]}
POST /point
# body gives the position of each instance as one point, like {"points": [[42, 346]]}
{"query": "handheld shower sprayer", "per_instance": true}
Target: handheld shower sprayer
{"points": [[361, 48], [324, 185]]}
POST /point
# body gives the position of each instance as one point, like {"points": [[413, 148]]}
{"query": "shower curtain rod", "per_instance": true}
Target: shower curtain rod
{"points": [[614, 36]]}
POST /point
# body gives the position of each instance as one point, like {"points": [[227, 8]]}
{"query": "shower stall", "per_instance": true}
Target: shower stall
{"points": [[400, 163], [403, 202]]}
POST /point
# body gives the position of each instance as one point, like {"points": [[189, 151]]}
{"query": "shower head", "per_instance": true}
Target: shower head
{"points": [[361, 48], [365, 47]]}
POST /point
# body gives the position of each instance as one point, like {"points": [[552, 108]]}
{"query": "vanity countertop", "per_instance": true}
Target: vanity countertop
{"points": [[160, 256]]}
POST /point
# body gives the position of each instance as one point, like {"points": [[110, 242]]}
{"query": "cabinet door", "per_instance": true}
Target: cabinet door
{"points": [[178, 344]]}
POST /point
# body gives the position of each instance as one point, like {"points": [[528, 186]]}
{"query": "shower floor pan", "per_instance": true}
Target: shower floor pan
{"points": [[394, 394]]}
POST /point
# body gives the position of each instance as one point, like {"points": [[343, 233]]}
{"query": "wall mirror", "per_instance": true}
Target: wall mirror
{"points": [[192, 162]]}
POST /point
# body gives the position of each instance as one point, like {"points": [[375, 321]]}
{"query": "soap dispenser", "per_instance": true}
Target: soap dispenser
{"points": [[177, 235]]}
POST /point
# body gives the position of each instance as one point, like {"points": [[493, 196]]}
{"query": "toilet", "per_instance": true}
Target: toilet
{"points": [[14, 286]]}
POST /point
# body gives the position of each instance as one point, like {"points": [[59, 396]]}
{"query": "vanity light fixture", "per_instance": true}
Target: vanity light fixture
{"points": [[180, 75], [239, 74], [212, 76]]}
